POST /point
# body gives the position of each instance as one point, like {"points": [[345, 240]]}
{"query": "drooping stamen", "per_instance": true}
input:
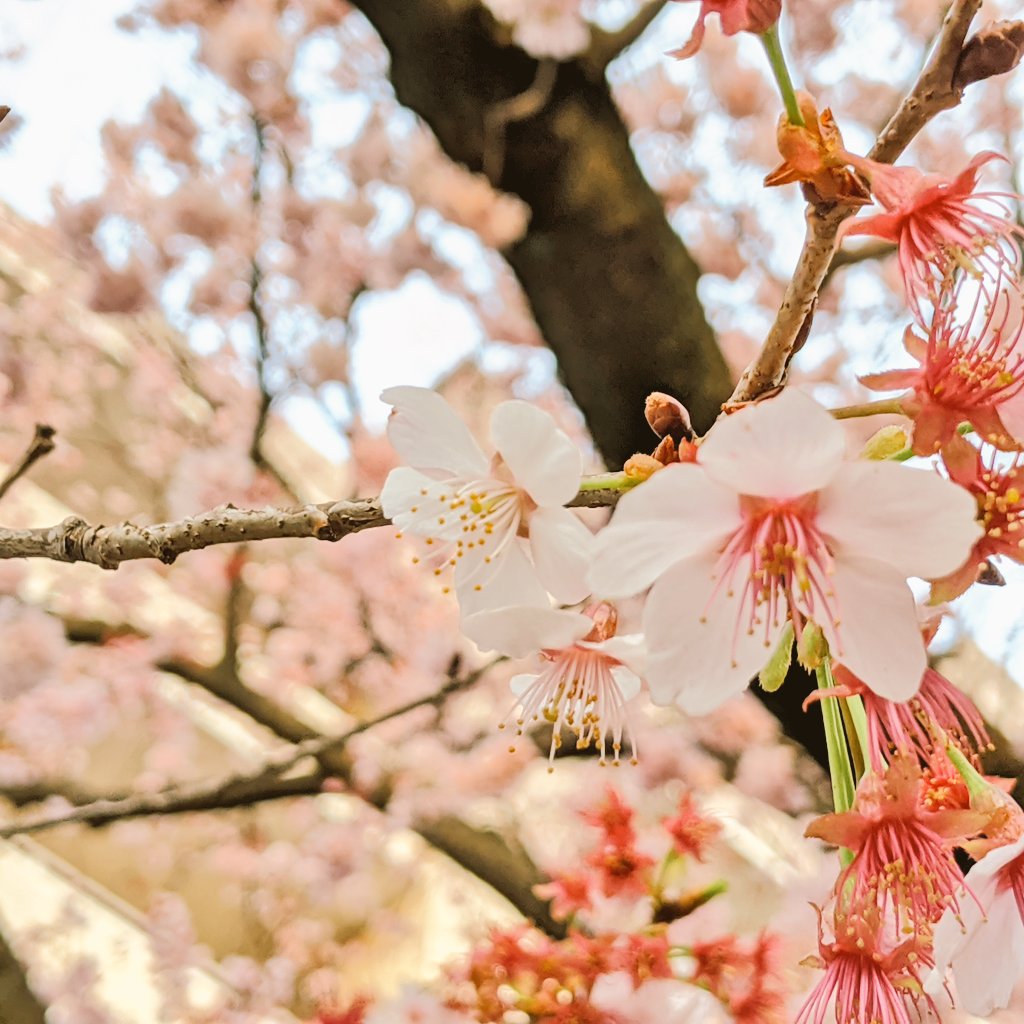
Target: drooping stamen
{"points": [[785, 567]]}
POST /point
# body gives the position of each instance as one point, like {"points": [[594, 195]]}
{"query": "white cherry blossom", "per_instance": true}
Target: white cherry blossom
{"points": [[984, 943], [498, 524], [774, 523], [588, 676]]}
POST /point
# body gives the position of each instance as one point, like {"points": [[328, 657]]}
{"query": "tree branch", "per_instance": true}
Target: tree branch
{"points": [[932, 92], [75, 540], [267, 781], [606, 46], [42, 444]]}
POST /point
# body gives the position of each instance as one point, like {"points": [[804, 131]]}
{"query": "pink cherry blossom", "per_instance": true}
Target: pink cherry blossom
{"points": [[773, 524], [736, 16], [589, 677], [938, 222], [472, 513], [971, 368], [870, 973], [984, 943]]}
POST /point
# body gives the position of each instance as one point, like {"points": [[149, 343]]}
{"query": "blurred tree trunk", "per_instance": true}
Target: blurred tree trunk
{"points": [[609, 281]]}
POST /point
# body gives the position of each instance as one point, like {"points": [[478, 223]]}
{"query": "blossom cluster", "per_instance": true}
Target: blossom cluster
{"points": [[770, 534], [647, 972]]}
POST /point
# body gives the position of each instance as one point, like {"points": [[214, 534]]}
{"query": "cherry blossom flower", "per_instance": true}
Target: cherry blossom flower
{"points": [[691, 831], [903, 851], [984, 943], [939, 223], [869, 976], [589, 677], [736, 16], [999, 493], [971, 368], [471, 512], [773, 524]]}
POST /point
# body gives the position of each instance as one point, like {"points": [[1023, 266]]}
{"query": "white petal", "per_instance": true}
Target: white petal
{"points": [[518, 632], [509, 580], [544, 462], [699, 654], [912, 519], [678, 513], [411, 500], [990, 959], [521, 683], [627, 682], [630, 649], [779, 448], [878, 638], [428, 434], [562, 549]]}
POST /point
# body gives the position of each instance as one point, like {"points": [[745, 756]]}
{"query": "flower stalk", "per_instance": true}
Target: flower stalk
{"points": [[777, 62]]}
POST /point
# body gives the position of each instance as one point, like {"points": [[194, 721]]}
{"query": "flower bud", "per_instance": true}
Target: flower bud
{"points": [[773, 675], [812, 647], [668, 416], [886, 443]]}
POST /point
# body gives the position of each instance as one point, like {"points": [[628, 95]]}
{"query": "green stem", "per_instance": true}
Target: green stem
{"points": [[883, 406], [777, 60], [609, 482], [839, 767]]}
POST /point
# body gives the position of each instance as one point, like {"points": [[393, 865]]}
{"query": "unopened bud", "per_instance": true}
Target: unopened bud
{"points": [[812, 647], [996, 49], [668, 416], [641, 467], [886, 443], [773, 675]]}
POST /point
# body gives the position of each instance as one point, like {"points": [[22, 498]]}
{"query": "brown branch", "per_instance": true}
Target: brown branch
{"points": [[42, 444], [524, 105], [933, 92], [75, 540], [267, 781], [606, 46]]}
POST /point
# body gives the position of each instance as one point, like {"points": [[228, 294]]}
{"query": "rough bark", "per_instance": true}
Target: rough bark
{"points": [[609, 281]]}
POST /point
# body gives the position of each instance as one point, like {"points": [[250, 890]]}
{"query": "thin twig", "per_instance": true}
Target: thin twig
{"points": [[75, 540], [606, 46], [42, 443], [529, 103], [932, 92], [267, 781]]}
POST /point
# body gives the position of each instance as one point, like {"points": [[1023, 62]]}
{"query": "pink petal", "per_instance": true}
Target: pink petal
{"points": [[912, 519], [678, 513], [881, 225], [544, 462], [779, 448], [891, 380], [518, 632], [428, 434], [509, 580], [562, 549], [698, 654], [878, 638], [1011, 414], [411, 500]]}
